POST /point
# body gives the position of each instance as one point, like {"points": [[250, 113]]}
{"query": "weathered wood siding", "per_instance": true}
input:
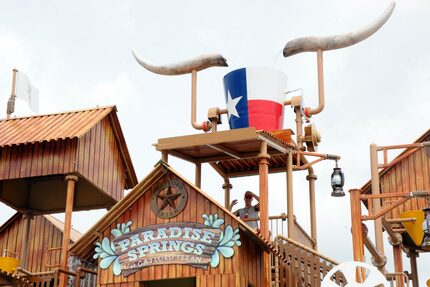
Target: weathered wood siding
{"points": [[43, 235], [226, 274], [99, 159], [410, 174], [38, 159]]}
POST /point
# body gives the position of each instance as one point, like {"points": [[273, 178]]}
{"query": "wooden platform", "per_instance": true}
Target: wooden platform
{"points": [[233, 153]]}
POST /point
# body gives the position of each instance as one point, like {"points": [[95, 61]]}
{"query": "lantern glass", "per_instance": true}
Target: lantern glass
{"points": [[337, 181]]}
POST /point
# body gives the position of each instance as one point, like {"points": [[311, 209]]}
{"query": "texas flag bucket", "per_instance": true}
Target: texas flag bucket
{"points": [[255, 98]]}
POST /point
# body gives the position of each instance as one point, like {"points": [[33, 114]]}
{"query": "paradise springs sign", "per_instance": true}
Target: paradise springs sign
{"points": [[188, 243]]}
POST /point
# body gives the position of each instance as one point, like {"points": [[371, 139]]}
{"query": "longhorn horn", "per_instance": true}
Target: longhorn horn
{"points": [[313, 44], [185, 67]]}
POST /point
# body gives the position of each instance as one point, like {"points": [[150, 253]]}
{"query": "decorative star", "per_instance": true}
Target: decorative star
{"points": [[231, 105], [168, 198]]}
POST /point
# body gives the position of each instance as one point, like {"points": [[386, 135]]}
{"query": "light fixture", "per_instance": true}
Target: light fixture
{"points": [[426, 229], [337, 181]]}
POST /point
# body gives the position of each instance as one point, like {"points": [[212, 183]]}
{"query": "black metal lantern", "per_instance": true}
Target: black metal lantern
{"points": [[426, 229], [337, 182]]}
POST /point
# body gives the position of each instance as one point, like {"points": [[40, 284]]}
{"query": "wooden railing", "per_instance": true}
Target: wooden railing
{"points": [[52, 278], [278, 226], [300, 266]]}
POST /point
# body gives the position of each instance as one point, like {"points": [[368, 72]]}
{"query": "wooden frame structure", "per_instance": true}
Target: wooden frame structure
{"points": [[403, 185]]}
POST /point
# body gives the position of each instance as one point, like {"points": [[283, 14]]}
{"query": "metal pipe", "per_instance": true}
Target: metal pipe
{"points": [[290, 203], [394, 238], [11, 102], [321, 100], [376, 202], [377, 259], [194, 123], [312, 206]]}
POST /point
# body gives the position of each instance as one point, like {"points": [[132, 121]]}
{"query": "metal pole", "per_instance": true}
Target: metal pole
{"points": [[376, 202], [11, 102], [321, 99], [290, 204], [27, 217], [198, 175], [263, 168], [312, 207], [71, 181]]}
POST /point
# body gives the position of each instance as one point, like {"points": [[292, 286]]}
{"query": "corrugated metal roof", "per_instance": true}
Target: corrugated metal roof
{"points": [[50, 127]]}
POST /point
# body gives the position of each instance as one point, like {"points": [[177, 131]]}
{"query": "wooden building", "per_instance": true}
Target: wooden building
{"points": [[407, 173], [145, 211], [46, 236], [395, 198], [62, 162], [37, 152]]}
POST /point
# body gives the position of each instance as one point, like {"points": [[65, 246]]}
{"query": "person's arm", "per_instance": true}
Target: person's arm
{"points": [[233, 203], [257, 198]]}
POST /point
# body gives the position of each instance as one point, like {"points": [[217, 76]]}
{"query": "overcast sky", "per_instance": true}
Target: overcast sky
{"points": [[78, 54]]}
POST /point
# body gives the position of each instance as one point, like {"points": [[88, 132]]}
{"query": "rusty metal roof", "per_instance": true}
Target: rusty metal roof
{"points": [[60, 126]]}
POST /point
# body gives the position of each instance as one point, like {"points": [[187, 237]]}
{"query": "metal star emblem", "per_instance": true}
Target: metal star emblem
{"points": [[168, 198]]}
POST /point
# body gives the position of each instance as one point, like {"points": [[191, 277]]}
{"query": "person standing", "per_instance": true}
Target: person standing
{"points": [[249, 211]]}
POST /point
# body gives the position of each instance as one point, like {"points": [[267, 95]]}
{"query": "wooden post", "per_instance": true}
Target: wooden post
{"points": [[263, 168], [414, 269], [290, 203], [312, 207], [398, 264], [376, 202], [227, 186], [165, 156], [71, 181], [356, 228], [198, 177], [27, 217]]}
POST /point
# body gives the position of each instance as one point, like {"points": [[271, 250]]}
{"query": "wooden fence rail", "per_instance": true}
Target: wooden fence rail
{"points": [[302, 267]]}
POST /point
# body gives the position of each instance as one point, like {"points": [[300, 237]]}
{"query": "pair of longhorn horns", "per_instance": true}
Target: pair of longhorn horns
{"points": [[313, 44], [196, 64]]}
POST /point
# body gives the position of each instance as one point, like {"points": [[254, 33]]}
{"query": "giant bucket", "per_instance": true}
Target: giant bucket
{"points": [[255, 98]]}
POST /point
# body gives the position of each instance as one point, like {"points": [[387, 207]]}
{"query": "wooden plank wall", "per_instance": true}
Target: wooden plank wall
{"points": [[43, 235], [410, 174], [99, 159], [224, 275], [38, 159]]}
